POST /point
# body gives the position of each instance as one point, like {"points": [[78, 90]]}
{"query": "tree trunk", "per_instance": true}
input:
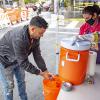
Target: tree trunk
{"points": [[21, 3], [3, 3]]}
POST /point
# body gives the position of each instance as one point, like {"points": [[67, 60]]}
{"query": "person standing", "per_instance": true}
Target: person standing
{"points": [[15, 47]]}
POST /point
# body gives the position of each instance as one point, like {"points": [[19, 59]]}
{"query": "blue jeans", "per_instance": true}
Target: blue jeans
{"points": [[7, 80]]}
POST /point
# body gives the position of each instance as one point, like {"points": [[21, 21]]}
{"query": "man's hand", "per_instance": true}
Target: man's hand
{"points": [[46, 75]]}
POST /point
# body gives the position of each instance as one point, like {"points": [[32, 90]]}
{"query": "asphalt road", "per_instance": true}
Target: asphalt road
{"points": [[50, 44]]}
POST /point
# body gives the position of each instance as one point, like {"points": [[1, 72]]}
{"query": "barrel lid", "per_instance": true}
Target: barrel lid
{"points": [[78, 45]]}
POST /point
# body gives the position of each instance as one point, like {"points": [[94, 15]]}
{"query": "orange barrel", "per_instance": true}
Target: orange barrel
{"points": [[73, 61], [51, 88]]}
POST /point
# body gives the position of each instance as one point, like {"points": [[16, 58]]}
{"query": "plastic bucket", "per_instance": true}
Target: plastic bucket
{"points": [[51, 88], [73, 61]]}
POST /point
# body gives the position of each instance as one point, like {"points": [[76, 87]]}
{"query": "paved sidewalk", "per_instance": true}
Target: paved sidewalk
{"points": [[48, 48]]}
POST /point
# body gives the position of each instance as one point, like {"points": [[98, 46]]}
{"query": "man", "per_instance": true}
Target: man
{"points": [[15, 47]]}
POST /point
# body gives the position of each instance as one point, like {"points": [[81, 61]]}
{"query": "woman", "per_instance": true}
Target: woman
{"points": [[92, 24]]}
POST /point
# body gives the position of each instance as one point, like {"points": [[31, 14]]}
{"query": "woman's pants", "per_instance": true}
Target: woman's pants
{"points": [[98, 55]]}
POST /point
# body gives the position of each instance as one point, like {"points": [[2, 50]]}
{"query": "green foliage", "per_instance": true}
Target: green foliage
{"points": [[16, 0], [26, 1], [67, 3], [34, 1], [30, 1]]}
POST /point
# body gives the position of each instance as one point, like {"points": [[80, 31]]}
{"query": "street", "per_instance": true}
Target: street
{"points": [[48, 49], [50, 44]]}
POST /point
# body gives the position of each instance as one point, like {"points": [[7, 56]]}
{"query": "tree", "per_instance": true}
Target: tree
{"points": [[30, 1], [21, 3], [34, 1]]}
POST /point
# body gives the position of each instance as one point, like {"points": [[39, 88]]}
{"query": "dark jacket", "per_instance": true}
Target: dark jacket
{"points": [[15, 48]]}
